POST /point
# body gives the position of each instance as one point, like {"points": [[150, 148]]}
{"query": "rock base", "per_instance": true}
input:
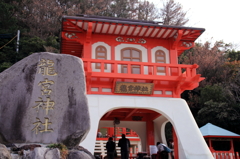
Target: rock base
{"points": [[36, 151]]}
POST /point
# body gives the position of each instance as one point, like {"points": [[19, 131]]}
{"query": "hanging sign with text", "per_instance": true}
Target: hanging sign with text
{"points": [[133, 88]]}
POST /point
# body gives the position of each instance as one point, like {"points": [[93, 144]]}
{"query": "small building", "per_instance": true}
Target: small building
{"points": [[133, 76], [221, 142]]}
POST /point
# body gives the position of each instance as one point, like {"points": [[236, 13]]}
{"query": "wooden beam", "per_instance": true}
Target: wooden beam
{"points": [[154, 116], [108, 114], [131, 113], [75, 25]]}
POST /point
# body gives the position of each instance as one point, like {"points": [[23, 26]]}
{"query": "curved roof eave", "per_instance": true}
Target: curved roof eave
{"points": [[127, 21]]}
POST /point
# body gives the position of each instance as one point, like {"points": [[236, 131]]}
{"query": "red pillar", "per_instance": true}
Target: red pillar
{"points": [[150, 72], [88, 44], [210, 145], [150, 132], [173, 56], [175, 141], [112, 52], [232, 146], [111, 131], [87, 53]]}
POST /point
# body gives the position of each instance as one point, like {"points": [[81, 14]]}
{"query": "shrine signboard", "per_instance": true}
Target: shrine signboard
{"points": [[133, 88]]}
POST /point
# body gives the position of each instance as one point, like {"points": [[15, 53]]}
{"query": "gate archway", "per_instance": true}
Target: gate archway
{"points": [[175, 110]]}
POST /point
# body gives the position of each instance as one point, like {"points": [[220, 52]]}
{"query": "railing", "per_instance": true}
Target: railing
{"points": [[130, 133], [143, 68], [225, 155], [119, 132]]}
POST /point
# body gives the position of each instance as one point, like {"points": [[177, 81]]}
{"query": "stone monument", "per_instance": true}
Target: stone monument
{"points": [[43, 100]]}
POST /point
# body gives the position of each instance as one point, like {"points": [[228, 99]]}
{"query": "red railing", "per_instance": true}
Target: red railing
{"points": [[119, 132], [130, 133], [225, 155], [109, 67]]}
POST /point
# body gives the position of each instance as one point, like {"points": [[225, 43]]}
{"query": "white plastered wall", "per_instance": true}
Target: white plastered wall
{"points": [[190, 141], [159, 129], [159, 133]]}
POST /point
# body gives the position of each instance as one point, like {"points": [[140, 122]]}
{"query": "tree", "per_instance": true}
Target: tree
{"points": [[172, 14], [147, 11], [9, 26], [130, 9], [217, 100], [40, 18], [210, 58], [219, 108], [8, 21], [233, 55], [121, 9]]}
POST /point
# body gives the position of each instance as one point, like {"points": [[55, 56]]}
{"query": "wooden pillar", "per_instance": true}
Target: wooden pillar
{"points": [[232, 146], [174, 47], [112, 52], [210, 145], [175, 141], [111, 131], [88, 44], [150, 132], [87, 50], [173, 56], [149, 53]]}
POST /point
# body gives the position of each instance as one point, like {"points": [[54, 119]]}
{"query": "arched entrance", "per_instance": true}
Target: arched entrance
{"points": [[137, 119], [175, 110]]}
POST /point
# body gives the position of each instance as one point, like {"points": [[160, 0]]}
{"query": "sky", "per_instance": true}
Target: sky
{"points": [[220, 18]]}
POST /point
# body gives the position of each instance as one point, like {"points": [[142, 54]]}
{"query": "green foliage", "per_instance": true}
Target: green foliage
{"points": [[212, 93], [57, 145], [29, 45], [63, 149], [8, 23], [7, 54], [217, 99], [220, 113], [4, 66], [52, 44], [52, 41], [216, 110], [233, 55]]}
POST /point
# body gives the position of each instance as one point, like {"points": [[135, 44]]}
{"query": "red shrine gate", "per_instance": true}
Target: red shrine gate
{"points": [[132, 72]]}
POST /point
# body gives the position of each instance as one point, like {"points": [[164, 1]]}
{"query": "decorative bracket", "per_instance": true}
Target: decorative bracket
{"points": [[187, 45], [181, 81], [70, 36], [121, 39]]}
